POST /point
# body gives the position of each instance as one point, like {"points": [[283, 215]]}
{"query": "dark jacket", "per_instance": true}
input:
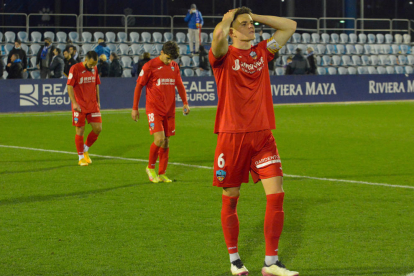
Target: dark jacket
{"points": [[103, 49], [115, 69], [1, 68], [136, 69], [56, 67], [15, 70], [49, 56], [22, 56], [312, 64], [299, 66], [68, 64], [77, 59], [103, 68], [203, 58]]}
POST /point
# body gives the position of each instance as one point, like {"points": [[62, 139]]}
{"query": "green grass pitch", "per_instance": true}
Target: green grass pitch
{"points": [[57, 218]]}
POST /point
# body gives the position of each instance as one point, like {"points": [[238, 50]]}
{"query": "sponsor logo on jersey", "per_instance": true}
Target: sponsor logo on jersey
{"points": [[221, 175], [165, 82], [267, 161], [236, 65], [29, 94], [159, 68], [141, 73], [250, 68], [86, 80]]}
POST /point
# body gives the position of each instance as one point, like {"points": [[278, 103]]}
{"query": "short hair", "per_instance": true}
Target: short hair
{"points": [[171, 48], [310, 49], [241, 10], [58, 51], [298, 51], [101, 38], [114, 55], [92, 55], [146, 55], [103, 57], [73, 47], [18, 41]]}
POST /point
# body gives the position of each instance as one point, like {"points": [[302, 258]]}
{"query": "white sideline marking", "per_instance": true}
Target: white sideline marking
{"points": [[210, 168], [411, 274]]}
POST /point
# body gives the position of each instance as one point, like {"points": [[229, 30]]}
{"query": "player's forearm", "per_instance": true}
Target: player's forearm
{"points": [[221, 31], [182, 93], [278, 23], [137, 96], [98, 98], [71, 94]]}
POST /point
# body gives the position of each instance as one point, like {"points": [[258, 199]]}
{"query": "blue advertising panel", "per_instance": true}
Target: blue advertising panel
{"points": [[118, 93]]}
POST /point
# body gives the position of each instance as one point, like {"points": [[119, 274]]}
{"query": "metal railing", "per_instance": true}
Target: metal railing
{"points": [[59, 15], [3, 19], [336, 20], [159, 17]]}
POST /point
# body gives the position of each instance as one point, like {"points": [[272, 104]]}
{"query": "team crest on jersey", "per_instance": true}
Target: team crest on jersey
{"points": [[152, 126], [253, 54], [221, 175], [76, 120], [93, 70], [172, 68]]}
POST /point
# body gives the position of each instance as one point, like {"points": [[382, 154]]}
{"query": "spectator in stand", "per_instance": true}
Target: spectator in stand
{"points": [[136, 69], [44, 57], [69, 61], [15, 67], [299, 65], [103, 66], [57, 65], [270, 64], [115, 68], [312, 61], [1, 67], [74, 53], [22, 54], [102, 48], [204, 63], [288, 68], [195, 22]]}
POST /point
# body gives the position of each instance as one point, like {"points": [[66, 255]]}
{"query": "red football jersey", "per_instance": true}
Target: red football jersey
{"points": [[84, 84], [160, 81], [245, 101]]}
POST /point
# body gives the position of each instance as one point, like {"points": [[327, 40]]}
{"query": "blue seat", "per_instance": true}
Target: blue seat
{"points": [[74, 37], [134, 37], [23, 36], [122, 37], [10, 37], [280, 71], [189, 72], [332, 71], [362, 70], [334, 38], [399, 70], [168, 36], [371, 38], [61, 37], [50, 35], [110, 37], [321, 71]]}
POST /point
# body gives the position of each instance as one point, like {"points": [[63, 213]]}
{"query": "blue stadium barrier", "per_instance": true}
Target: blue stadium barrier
{"points": [[117, 93]]}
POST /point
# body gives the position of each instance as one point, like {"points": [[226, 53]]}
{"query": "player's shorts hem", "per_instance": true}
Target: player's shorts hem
{"points": [[267, 177], [219, 185]]}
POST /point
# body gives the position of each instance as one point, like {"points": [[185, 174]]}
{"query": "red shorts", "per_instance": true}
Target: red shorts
{"points": [[237, 154], [78, 118], [159, 123]]}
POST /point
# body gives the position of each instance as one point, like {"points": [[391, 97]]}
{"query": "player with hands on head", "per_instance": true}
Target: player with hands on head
{"points": [[160, 76], [244, 120]]}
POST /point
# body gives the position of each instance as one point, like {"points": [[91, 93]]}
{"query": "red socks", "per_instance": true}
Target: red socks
{"points": [[153, 155], [163, 155], [79, 144], [92, 137], [273, 224], [230, 222]]}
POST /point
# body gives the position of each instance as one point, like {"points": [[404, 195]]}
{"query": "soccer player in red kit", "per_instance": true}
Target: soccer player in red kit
{"points": [[160, 75], [83, 89], [244, 120]]}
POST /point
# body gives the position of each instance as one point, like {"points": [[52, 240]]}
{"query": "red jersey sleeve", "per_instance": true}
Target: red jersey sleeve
{"points": [[144, 75], [73, 76], [215, 63], [98, 80]]}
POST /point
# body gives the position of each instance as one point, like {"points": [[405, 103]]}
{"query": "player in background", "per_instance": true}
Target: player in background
{"points": [[160, 75], [244, 119], [83, 89]]}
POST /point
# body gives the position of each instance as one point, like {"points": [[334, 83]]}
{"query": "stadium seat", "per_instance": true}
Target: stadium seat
{"points": [[342, 71], [392, 60], [5, 61], [325, 38], [315, 38], [186, 61], [61, 37], [381, 70], [282, 51], [1, 37], [168, 36], [353, 38], [336, 60], [188, 72], [136, 59], [87, 37], [35, 74], [410, 59], [296, 38], [408, 69], [134, 37], [211, 37], [10, 37], [374, 60], [266, 36], [404, 49], [352, 71], [346, 60], [86, 48], [350, 49], [149, 48], [122, 37], [407, 38], [110, 37], [158, 48], [332, 71], [8, 48], [198, 72], [362, 70], [34, 49], [321, 49], [356, 60], [395, 49], [180, 37], [126, 73], [61, 46], [126, 62], [51, 35], [330, 49], [25, 48], [137, 49], [321, 71], [390, 70], [372, 70], [303, 47], [183, 49], [204, 38], [284, 60], [97, 35], [359, 49], [365, 60], [306, 38], [146, 37], [386, 49], [123, 49], [280, 71], [291, 48], [376, 49], [380, 38], [196, 61], [22, 36], [334, 38], [318, 60], [112, 47], [398, 38], [367, 49], [371, 38], [384, 59], [399, 70], [36, 37], [344, 38], [340, 49], [388, 38], [73, 36], [32, 63], [157, 37], [362, 38]]}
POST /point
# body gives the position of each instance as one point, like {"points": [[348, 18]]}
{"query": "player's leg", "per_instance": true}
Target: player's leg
{"points": [[92, 137], [163, 153], [78, 120], [159, 138]]}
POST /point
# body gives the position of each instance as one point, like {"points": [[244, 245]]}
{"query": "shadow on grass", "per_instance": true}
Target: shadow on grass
{"points": [[41, 198], [36, 170]]}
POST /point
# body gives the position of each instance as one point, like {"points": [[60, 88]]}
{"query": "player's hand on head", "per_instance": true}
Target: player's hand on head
{"points": [[135, 115], [229, 15]]}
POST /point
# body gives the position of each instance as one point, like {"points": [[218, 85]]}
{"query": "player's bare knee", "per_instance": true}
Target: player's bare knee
{"points": [[231, 192], [97, 130], [80, 131]]}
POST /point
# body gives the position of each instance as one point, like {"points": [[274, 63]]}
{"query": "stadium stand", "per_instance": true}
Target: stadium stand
{"points": [[110, 37], [51, 35], [36, 37], [61, 37], [134, 37], [23, 36]]}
